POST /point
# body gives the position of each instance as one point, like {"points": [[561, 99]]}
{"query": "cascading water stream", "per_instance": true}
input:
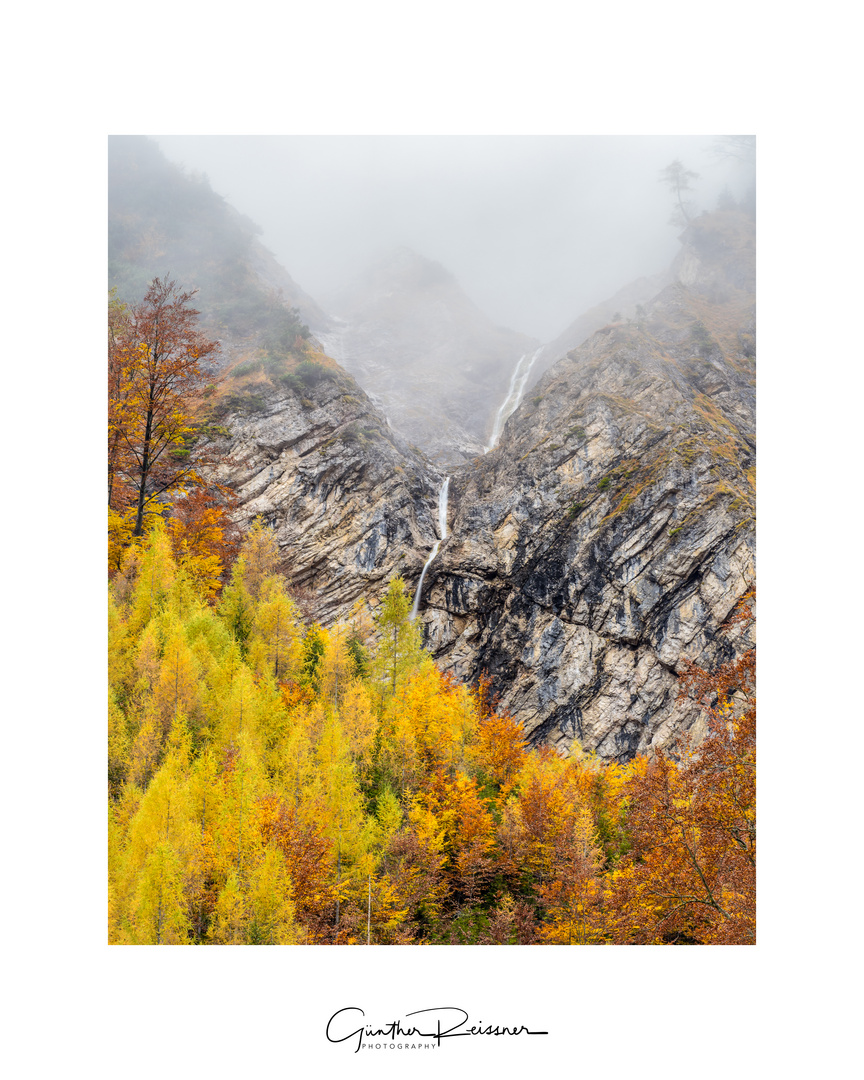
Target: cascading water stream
{"points": [[442, 529], [518, 382]]}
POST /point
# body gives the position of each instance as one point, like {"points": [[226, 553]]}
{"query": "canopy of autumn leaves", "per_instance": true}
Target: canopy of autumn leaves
{"points": [[272, 782]]}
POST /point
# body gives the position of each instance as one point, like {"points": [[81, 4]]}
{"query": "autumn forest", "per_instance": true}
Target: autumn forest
{"points": [[273, 780]]}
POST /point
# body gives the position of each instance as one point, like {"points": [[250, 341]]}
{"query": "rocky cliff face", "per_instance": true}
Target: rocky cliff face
{"points": [[419, 346], [351, 505], [611, 534]]}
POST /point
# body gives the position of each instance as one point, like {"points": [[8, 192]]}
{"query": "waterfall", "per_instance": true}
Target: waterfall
{"points": [[518, 382], [442, 529]]}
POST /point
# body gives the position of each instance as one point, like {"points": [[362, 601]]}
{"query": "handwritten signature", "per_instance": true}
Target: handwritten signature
{"points": [[457, 1019]]}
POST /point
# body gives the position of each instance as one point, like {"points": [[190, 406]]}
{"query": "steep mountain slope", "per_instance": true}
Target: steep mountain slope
{"points": [[624, 304], [610, 535], [350, 504], [162, 220], [417, 344]]}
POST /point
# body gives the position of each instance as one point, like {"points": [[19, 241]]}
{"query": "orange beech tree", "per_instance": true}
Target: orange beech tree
{"points": [[158, 370], [203, 537]]}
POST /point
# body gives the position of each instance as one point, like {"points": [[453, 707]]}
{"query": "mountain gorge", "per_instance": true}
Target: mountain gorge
{"points": [[591, 554], [414, 340]]}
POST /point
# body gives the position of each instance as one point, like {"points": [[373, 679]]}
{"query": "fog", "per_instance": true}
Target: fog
{"points": [[535, 228]]}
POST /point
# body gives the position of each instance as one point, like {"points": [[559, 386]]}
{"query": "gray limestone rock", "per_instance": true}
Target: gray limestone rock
{"points": [[350, 504]]}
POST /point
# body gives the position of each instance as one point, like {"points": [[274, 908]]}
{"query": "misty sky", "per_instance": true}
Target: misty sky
{"points": [[535, 228]]}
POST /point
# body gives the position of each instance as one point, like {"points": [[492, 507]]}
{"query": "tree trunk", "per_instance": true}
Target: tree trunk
{"points": [[145, 469]]}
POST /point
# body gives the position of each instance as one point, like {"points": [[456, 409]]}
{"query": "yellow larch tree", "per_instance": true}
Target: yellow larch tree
{"points": [[275, 641]]}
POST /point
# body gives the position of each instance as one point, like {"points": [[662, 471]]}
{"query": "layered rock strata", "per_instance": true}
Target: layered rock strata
{"points": [[611, 534], [350, 504]]}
